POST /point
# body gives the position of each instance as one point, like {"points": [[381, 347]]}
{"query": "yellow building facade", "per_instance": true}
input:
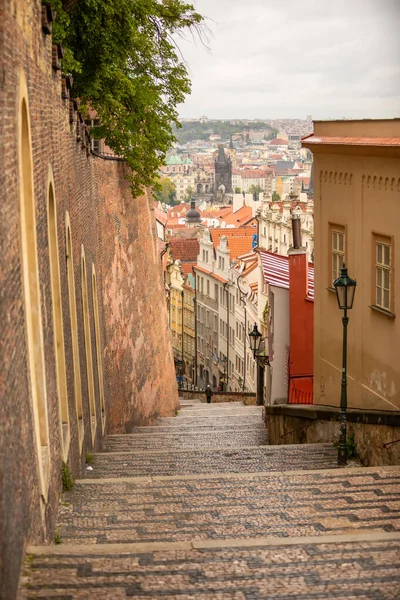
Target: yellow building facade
{"points": [[357, 221], [189, 326]]}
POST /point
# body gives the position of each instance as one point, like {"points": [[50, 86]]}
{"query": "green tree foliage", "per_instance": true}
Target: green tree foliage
{"points": [[189, 194], [255, 190], [238, 190], [275, 197], [194, 130], [165, 191], [127, 67]]}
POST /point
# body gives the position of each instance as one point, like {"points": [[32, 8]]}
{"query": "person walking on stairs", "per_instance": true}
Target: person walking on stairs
{"points": [[208, 394]]}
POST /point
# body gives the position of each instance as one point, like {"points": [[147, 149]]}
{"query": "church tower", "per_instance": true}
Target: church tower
{"points": [[223, 172]]}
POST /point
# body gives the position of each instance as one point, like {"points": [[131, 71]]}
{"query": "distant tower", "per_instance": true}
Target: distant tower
{"points": [[223, 171], [193, 218]]}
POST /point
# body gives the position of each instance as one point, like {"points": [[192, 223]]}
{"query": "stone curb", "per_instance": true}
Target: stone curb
{"points": [[253, 475], [139, 548], [205, 449]]}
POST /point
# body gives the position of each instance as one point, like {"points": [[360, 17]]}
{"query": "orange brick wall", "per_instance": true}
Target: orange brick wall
{"points": [[118, 234]]}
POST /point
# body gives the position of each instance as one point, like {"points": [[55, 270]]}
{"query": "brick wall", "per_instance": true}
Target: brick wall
{"points": [[117, 233]]}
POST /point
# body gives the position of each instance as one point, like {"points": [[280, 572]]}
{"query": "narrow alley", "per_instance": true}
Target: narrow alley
{"points": [[199, 506]]}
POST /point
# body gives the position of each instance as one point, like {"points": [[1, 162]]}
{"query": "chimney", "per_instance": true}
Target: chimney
{"points": [[296, 228]]}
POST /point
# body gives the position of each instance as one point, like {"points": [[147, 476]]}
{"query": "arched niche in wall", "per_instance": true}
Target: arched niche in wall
{"points": [[31, 290], [74, 330], [88, 347], [58, 328], [98, 348]]}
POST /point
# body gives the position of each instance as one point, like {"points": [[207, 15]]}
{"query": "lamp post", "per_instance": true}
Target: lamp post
{"points": [[255, 339], [345, 289], [224, 362]]}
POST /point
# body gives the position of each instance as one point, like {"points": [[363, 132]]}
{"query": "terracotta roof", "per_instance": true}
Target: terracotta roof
{"points": [[239, 240], [187, 267], [391, 142], [254, 173], [239, 217], [186, 249], [278, 142]]}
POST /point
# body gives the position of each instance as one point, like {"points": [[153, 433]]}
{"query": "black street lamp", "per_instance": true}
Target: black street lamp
{"points": [[224, 362], [255, 339], [345, 289]]}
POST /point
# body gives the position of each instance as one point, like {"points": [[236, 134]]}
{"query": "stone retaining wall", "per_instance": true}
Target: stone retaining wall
{"points": [[246, 397], [374, 431]]}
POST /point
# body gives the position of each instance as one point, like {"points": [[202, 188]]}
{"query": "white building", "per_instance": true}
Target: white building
{"points": [[275, 225], [183, 182], [245, 275]]}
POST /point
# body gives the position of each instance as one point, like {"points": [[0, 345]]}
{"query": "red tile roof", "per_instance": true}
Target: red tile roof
{"points": [[239, 217], [391, 142], [184, 249], [239, 240], [187, 267], [278, 142]]}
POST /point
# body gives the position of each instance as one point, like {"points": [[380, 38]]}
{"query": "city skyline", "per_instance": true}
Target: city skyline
{"points": [[269, 62]]}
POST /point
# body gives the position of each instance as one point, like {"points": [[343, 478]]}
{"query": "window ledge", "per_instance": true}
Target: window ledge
{"points": [[387, 313]]}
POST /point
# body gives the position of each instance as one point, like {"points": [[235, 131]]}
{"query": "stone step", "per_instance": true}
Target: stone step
{"points": [[363, 566], [184, 508], [189, 439], [214, 460], [199, 423]]}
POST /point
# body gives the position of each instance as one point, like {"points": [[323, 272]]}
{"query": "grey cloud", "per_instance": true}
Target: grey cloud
{"points": [[289, 58]]}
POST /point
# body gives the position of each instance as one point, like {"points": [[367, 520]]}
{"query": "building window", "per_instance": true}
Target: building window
{"points": [[383, 272], [338, 250], [208, 288], [94, 144]]}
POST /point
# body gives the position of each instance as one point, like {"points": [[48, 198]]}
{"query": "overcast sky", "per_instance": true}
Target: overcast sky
{"points": [[292, 58]]}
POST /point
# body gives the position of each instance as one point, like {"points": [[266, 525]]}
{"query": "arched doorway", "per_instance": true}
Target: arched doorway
{"points": [[74, 330], [88, 348], [31, 291], [98, 348], [58, 329], [199, 188]]}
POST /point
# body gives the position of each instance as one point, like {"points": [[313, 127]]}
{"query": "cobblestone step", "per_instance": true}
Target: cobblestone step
{"points": [[236, 505], [199, 507], [312, 570], [221, 460], [192, 439]]}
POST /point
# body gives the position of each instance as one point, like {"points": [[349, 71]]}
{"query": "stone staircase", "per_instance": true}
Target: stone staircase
{"points": [[199, 506]]}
